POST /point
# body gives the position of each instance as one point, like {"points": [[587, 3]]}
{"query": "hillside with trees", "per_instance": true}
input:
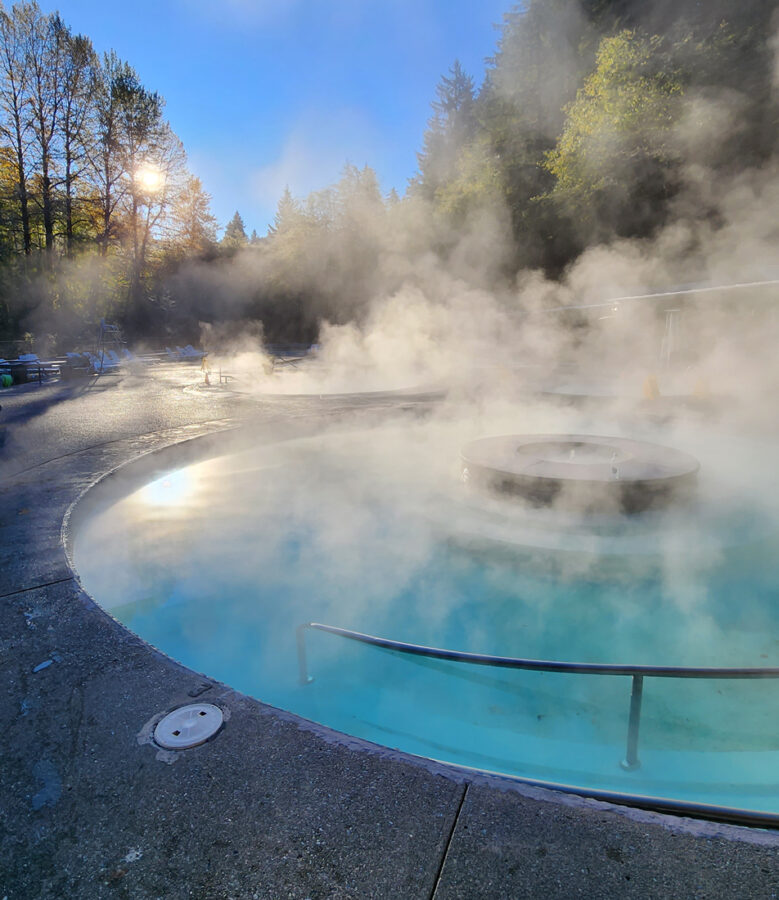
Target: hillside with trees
{"points": [[596, 120]]}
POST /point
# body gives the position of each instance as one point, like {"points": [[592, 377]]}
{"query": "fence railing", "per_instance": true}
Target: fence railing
{"points": [[636, 673]]}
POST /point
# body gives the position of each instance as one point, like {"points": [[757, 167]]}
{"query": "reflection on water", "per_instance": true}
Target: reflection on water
{"points": [[218, 563], [173, 489]]}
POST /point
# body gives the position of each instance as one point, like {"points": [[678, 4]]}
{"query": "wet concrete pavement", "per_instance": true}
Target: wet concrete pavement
{"points": [[271, 807]]}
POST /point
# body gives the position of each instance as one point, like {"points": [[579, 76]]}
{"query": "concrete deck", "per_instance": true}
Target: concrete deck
{"points": [[270, 808]]}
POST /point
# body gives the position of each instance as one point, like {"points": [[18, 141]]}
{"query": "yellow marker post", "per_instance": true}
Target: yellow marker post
{"points": [[701, 389], [651, 389]]}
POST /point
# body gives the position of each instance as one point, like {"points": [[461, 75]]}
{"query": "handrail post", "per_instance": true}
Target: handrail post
{"points": [[631, 760], [303, 675]]}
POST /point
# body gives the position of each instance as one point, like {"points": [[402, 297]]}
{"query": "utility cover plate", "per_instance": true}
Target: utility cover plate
{"points": [[188, 726]]}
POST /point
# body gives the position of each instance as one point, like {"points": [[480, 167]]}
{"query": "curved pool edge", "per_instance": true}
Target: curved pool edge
{"points": [[151, 464], [276, 805]]}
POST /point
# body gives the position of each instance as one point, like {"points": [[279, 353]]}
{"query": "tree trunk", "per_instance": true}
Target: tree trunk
{"points": [[106, 211], [23, 196], [68, 201], [48, 210]]}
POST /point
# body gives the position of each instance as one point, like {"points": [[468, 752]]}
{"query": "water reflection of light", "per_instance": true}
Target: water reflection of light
{"points": [[170, 490]]}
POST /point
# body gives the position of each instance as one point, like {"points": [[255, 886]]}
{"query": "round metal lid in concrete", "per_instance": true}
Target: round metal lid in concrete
{"points": [[188, 726]]}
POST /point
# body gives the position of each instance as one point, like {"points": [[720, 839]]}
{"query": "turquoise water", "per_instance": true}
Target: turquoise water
{"points": [[218, 564]]}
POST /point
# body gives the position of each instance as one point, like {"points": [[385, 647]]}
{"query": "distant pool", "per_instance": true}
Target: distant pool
{"points": [[216, 564]]}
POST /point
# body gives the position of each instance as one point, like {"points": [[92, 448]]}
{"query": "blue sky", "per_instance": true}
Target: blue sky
{"points": [[265, 93]]}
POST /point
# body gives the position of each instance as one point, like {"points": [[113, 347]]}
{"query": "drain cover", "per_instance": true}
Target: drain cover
{"points": [[188, 726]]}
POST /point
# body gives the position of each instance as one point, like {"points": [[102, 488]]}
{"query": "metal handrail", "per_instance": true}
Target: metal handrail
{"points": [[659, 295], [637, 673]]}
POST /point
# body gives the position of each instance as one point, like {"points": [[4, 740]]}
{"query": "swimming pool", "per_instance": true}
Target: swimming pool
{"points": [[218, 563]]}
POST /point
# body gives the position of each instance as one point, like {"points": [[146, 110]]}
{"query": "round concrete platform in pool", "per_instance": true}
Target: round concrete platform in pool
{"points": [[581, 471], [220, 562]]}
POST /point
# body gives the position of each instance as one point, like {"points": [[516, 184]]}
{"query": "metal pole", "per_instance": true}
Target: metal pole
{"points": [[631, 760], [304, 677]]}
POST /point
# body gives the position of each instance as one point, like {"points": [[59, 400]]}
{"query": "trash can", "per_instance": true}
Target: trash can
{"points": [[75, 367], [19, 373]]}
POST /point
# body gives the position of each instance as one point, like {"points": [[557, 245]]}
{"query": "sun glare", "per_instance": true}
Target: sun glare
{"points": [[171, 490], [149, 178]]}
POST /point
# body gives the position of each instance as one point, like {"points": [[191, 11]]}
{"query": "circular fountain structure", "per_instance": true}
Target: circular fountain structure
{"points": [[582, 472]]}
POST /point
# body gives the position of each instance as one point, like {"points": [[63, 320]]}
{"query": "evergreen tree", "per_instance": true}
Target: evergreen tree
{"points": [[357, 198], [451, 126], [288, 214], [544, 50], [195, 225], [235, 233]]}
